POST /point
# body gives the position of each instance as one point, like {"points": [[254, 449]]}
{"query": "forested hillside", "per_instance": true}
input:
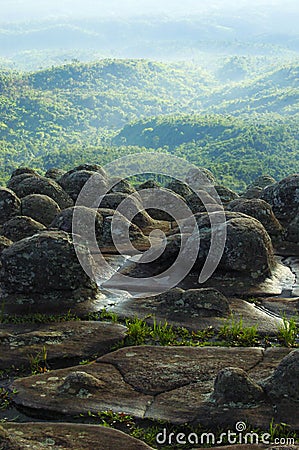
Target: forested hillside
{"points": [[65, 114]]}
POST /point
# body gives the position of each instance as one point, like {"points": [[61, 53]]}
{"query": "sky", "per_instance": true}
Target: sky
{"points": [[23, 10]]}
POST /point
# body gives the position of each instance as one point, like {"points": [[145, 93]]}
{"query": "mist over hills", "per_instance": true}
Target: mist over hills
{"points": [[96, 79], [36, 34]]}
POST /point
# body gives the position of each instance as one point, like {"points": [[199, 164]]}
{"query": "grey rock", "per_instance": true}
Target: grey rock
{"points": [[199, 178], [68, 342], [194, 302], [14, 182], [44, 186], [226, 195], [7, 442], [262, 182], [54, 173], [44, 262], [253, 192], [292, 231], [284, 383], [121, 225], [260, 210], [68, 436], [149, 184], [40, 207], [80, 383], [10, 205], [73, 183], [233, 385], [284, 198], [23, 170], [133, 209], [88, 220], [21, 227], [179, 188], [121, 185], [197, 201]]}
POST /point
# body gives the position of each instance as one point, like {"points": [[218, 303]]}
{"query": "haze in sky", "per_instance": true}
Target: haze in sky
{"points": [[16, 10]]}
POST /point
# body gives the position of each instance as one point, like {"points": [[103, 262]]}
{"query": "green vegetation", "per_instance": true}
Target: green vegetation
{"points": [[264, 144], [74, 113], [288, 332], [238, 335], [38, 362]]}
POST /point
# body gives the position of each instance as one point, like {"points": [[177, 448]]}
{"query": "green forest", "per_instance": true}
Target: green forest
{"points": [[239, 120]]}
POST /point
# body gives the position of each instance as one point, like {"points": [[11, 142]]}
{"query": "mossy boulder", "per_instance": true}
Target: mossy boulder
{"points": [[44, 186], [40, 207], [44, 262], [10, 205], [20, 227]]}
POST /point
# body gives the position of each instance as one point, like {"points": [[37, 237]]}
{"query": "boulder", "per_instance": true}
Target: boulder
{"points": [[73, 182], [23, 170], [89, 167], [284, 198], [226, 195], [292, 231], [165, 199], [121, 185], [21, 227], [10, 205], [179, 188], [40, 207], [199, 200], [283, 384], [262, 182], [88, 218], [196, 302], [198, 178], [14, 182], [44, 186], [260, 210], [248, 249], [233, 385], [44, 262], [54, 173], [248, 252], [121, 225], [149, 184], [132, 208], [253, 192]]}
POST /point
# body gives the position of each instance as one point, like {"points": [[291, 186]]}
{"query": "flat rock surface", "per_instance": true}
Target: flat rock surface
{"points": [[125, 306], [170, 383], [281, 306], [64, 436], [66, 342]]}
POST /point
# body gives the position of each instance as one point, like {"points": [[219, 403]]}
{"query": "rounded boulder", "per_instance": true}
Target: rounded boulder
{"points": [[10, 205], [40, 207], [43, 263]]}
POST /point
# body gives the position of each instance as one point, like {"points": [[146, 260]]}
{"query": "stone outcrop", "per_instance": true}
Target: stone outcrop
{"points": [[283, 384], [21, 227], [42, 185], [260, 210], [284, 198], [73, 183], [44, 271], [10, 205], [39, 207]]}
